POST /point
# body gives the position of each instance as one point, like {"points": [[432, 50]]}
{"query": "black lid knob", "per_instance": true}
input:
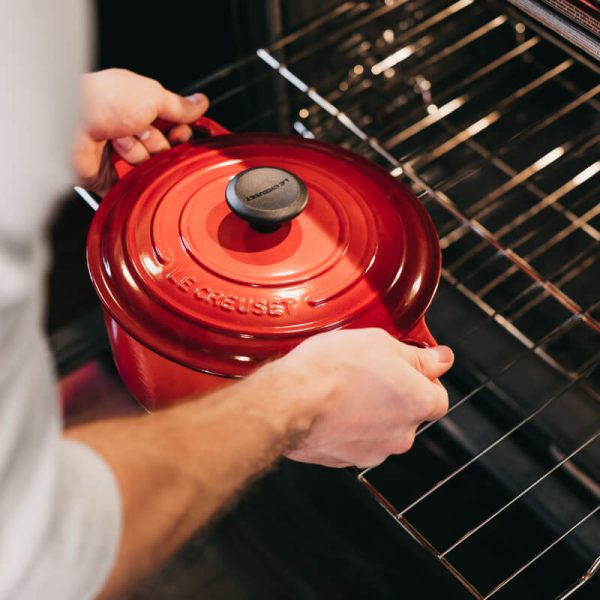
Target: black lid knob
{"points": [[266, 197]]}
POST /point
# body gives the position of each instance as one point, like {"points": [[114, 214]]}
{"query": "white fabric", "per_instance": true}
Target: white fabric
{"points": [[60, 511]]}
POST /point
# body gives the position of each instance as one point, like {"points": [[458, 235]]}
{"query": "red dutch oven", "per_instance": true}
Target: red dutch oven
{"points": [[222, 253]]}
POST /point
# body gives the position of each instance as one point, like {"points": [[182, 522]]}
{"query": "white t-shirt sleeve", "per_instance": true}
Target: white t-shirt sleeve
{"points": [[60, 509]]}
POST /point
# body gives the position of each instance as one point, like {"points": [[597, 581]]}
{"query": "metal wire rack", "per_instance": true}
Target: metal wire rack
{"points": [[495, 123]]}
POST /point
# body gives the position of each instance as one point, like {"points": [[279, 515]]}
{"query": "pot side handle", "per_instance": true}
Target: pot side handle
{"points": [[419, 336], [203, 126]]}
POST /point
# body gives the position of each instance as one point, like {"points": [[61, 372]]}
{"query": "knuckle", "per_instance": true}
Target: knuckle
{"points": [[377, 333], [156, 85], [127, 123], [439, 402], [426, 404], [372, 460], [387, 336], [412, 356], [131, 122], [158, 141], [430, 395], [383, 340], [403, 444], [136, 159], [117, 71], [418, 360], [444, 401]]}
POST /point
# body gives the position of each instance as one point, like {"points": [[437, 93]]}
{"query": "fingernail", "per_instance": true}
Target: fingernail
{"points": [[442, 353], [124, 143], [143, 136], [198, 98]]}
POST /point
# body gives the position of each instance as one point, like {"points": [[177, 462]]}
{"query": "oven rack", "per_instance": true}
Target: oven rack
{"points": [[494, 122]]}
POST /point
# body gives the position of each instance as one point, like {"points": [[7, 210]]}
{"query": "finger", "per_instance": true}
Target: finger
{"points": [[131, 149], [370, 460], [402, 442], [105, 176], [180, 109], [363, 453], [314, 459], [438, 403], [179, 134], [431, 362], [93, 166], [153, 140]]}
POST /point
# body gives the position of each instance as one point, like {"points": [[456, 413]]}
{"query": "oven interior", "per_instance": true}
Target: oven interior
{"points": [[493, 120]]}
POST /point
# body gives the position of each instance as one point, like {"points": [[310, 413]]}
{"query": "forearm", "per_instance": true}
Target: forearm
{"points": [[177, 468]]}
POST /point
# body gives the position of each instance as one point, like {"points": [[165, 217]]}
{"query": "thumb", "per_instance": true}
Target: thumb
{"points": [[431, 362], [180, 109]]}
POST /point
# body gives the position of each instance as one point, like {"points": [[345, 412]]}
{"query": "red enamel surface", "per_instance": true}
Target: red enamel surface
{"points": [[195, 284]]}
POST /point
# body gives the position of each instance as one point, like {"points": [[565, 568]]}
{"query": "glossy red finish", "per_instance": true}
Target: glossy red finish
{"points": [[190, 288], [154, 380]]}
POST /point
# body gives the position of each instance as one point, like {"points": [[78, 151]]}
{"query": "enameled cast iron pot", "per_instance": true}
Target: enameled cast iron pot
{"points": [[227, 251]]}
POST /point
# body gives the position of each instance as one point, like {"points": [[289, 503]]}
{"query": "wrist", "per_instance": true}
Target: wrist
{"points": [[294, 395]]}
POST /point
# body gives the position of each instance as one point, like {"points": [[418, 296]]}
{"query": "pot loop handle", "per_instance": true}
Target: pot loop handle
{"points": [[419, 336], [204, 126]]}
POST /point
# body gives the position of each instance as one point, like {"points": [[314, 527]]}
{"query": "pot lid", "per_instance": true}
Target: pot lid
{"points": [[224, 252]]}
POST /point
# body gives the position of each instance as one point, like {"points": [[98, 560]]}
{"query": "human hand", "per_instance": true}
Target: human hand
{"points": [[370, 393], [119, 107]]}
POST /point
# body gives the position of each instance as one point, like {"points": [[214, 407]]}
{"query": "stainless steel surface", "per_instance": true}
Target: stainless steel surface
{"points": [[494, 121], [87, 197], [567, 28]]}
